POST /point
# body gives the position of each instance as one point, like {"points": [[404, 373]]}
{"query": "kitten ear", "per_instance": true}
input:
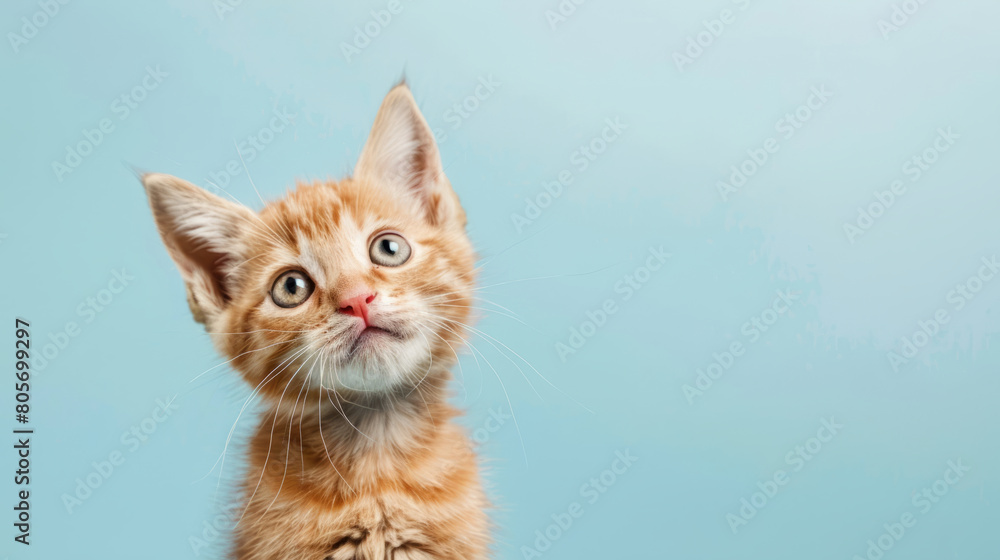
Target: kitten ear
{"points": [[202, 233], [401, 154]]}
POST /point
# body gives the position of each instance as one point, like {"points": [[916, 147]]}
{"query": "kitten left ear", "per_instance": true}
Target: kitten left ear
{"points": [[401, 154], [204, 235]]}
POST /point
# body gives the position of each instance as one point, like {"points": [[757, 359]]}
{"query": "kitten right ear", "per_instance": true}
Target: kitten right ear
{"points": [[203, 234], [401, 154]]}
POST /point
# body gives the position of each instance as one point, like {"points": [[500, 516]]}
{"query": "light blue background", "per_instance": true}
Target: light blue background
{"points": [[655, 186]]}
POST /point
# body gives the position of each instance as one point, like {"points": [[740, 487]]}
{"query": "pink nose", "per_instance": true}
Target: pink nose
{"points": [[357, 306]]}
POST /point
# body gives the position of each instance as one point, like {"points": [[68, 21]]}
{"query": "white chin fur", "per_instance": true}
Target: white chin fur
{"points": [[384, 366]]}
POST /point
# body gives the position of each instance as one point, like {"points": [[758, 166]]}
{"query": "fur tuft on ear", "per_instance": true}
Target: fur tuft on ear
{"points": [[401, 154], [203, 234]]}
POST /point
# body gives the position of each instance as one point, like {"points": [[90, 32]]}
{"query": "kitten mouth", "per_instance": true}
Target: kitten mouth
{"points": [[372, 330], [370, 336]]}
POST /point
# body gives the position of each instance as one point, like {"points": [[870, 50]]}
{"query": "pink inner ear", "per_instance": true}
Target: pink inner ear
{"points": [[401, 153], [194, 257]]}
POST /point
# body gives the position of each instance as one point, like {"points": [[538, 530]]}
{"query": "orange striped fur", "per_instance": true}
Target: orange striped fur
{"points": [[356, 455]]}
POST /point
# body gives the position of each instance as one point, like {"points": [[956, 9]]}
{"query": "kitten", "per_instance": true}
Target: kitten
{"points": [[343, 305]]}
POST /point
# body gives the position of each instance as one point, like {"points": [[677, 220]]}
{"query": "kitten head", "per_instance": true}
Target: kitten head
{"points": [[362, 285]]}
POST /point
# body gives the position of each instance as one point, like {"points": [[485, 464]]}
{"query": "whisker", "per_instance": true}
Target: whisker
{"points": [[246, 403], [260, 330], [340, 407], [288, 445], [239, 153], [509, 349], [270, 445], [502, 386], [245, 261], [243, 354], [426, 373], [530, 384], [458, 360], [491, 311], [322, 438], [270, 234]]}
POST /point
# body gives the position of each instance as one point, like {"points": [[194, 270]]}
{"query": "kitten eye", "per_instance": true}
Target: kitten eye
{"points": [[291, 289], [389, 249]]}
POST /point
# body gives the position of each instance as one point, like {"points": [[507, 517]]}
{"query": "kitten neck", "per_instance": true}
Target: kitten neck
{"points": [[396, 420]]}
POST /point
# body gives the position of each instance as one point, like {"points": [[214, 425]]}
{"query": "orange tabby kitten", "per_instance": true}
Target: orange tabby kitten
{"points": [[342, 304]]}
